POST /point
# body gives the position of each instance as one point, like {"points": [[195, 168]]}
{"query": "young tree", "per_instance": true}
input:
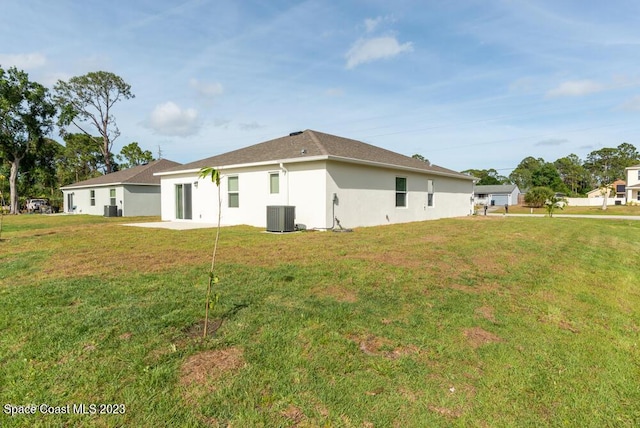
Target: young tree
{"points": [[132, 155], [87, 101], [26, 116], [554, 203]]}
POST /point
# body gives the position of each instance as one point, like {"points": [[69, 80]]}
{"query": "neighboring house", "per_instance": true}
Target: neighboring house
{"points": [[130, 192], [616, 195], [499, 194], [633, 184], [618, 186], [330, 181]]}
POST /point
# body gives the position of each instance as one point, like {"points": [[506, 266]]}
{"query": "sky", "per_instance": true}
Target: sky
{"points": [[467, 83]]}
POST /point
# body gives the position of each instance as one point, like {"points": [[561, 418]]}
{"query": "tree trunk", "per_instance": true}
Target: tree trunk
{"points": [[107, 156], [13, 187]]}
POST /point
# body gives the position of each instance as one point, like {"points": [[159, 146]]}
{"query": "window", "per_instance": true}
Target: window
{"points": [[112, 196], [430, 193], [401, 191], [638, 175], [274, 183], [234, 196], [92, 195]]}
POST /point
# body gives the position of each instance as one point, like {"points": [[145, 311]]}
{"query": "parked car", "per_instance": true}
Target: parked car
{"points": [[38, 206]]}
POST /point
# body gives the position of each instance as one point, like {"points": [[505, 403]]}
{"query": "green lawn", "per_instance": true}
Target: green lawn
{"points": [[611, 210], [481, 321]]}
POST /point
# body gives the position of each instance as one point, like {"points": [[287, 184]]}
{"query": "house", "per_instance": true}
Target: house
{"points": [[330, 181], [633, 184], [499, 194], [618, 186], [616, 195], [130, 192]]}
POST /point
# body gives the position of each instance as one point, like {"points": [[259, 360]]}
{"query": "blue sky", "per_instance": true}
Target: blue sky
{"points": [[467, 84]]}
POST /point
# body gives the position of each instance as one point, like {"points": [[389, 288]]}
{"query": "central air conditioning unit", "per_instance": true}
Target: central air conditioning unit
{"points": [[281, 218], [111, 211]]}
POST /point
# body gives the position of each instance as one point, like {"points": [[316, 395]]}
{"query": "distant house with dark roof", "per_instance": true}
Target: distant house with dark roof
{"points": [[499, 194], [330, 180], [130, 192]]}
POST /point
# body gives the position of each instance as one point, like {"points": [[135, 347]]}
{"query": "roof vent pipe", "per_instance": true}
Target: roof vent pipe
{"points": [[295, 133]]}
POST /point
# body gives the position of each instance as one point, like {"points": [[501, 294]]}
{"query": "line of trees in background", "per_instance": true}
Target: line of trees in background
{"points": [[35, 166], [569, 175]]}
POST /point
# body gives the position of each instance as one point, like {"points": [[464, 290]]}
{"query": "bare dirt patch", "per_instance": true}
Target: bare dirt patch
{"points": [[381, 347], [200, 372], [486, 312], [477, 337], [444, 411], [338, 293], [295, 415]]}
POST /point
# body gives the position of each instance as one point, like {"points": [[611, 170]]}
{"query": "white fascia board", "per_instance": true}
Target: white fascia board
{"points": [[246, 165], [88, 186], [321, 158], [398, 167]]}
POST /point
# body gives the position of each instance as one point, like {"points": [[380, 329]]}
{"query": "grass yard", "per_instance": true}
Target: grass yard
{"points": [[481, 321], [625, 210]]}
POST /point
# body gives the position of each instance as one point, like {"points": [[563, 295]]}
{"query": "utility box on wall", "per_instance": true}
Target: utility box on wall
{"points": [[281, 218]]}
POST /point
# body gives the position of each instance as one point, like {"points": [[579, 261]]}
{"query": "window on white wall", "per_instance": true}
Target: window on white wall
{"points": [[430, 193], [92, 194], [401, 191], [274, 183], [233, 191], [112, 196]]}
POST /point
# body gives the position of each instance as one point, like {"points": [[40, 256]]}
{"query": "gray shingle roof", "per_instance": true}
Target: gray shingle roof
{"points": [[141, 174], [493, 189], [308, 144]]}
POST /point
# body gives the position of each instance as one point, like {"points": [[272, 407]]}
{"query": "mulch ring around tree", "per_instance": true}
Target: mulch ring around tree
{"points": [[196, 330]]}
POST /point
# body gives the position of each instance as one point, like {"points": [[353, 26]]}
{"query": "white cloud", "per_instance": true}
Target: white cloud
{"points": [[208, 90], [23, 61], [575, 88], [169, 119], [367, 50], [372, 24]]}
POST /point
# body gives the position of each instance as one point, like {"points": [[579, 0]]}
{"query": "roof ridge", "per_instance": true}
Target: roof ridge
{"points": [[318, 143]]}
